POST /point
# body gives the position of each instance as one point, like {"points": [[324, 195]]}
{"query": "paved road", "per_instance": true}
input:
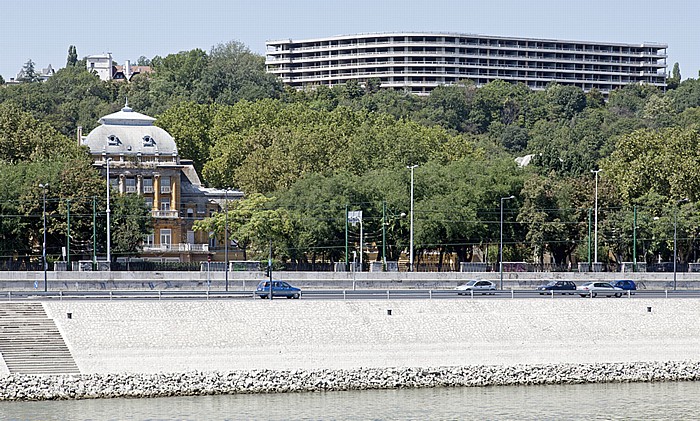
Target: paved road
{"points": [[322, 294]]}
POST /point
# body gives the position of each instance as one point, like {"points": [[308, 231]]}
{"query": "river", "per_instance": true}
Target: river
{"points": [[617, 401]]}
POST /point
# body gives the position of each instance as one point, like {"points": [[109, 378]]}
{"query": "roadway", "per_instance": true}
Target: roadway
{"points": [[323, 294]]}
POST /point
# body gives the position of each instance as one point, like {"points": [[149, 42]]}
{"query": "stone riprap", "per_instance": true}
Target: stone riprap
{"points": [[26, 387]]}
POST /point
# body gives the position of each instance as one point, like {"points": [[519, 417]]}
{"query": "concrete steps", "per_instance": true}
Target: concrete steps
{"points": [[30, 342]]}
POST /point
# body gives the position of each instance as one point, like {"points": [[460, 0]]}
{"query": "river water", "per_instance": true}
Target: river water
{"points": [[617, 401]]}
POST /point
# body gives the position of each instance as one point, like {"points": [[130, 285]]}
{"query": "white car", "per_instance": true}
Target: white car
{"points": [[599, 288], [485, 287]]}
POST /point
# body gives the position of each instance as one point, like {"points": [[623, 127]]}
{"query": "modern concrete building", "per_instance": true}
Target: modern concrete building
{"points": [[144, 160], [419, 62]]}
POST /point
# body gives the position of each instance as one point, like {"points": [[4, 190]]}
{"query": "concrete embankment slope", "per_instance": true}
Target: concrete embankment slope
{"points": [[150, 337]]}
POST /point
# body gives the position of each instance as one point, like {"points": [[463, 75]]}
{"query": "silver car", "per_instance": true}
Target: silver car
{"points": [[485, 287], [599, 288]]}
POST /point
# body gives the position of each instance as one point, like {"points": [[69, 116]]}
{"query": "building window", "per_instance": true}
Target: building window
{"points": [[165, 185], [149, 202], [148, 185], [190, 213], [131, 185], [165, 237], [148, 141], [165, 204], [149, 240], [113, 140]]}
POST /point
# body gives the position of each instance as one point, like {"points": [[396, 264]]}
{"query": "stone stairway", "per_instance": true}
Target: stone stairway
{"points": [[30, 342]]}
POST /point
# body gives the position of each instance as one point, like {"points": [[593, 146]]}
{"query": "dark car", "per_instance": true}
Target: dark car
{"points": [[625, 284], [564, 286], [279, 289]]}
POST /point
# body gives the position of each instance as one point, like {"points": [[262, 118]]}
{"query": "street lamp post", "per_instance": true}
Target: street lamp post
{"points": [[595, 243], [500, 245], [675, 239], [44, 187], [109, 236], [226, 237], [410, 253]]}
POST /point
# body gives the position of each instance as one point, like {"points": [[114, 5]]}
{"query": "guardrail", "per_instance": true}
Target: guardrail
{"points": [[344, 294]]}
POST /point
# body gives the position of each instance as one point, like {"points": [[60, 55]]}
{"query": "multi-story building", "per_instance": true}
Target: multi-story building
{"points": [[419, 62], [143, 160], [104, 67]]}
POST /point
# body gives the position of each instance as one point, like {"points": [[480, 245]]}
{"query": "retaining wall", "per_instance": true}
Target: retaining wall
{"points": [[151, 337], [342, 280]]}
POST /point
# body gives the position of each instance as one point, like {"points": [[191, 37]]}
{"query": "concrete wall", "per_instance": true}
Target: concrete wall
{"points": [[147, 337], [248, 280]]}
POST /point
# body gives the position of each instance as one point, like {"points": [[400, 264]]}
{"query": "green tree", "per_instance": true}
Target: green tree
{"points": [[234, 73], [675, 79], [28, 73], [72, 59], [252, 223], [131, 221], [190, 123]]}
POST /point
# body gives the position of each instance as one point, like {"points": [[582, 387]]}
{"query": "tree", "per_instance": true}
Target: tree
{"points": [[131, 221], [675, 79], [234, 73], [143, 61], [189, 123], [2, 80], [252, 223], [72, 59], [28, 73]]}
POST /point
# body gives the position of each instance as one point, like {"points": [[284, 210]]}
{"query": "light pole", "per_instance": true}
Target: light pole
{"points": [[226, 236], [500, 245], [675, 239], [410, 252], [595, 226], [109, 236], [44, 187]]}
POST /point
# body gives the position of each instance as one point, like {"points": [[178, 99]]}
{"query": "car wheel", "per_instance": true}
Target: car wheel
{"points": [[583, 295], [289, 297], [296, 296], [263, 296], [618, 295], [595, 294]]}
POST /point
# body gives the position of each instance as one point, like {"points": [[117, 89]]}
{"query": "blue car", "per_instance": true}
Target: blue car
{"points": [[625, 284], [279, 289]]}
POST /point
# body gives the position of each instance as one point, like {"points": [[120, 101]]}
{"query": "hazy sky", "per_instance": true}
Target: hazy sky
{"points": [[43, 29]]}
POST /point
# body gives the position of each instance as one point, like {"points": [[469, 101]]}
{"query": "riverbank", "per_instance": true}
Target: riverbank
{"points": [[122, 348], [94, 386]]}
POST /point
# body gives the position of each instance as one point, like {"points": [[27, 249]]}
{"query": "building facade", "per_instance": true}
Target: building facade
{"points": [[143, 160], [103, 66], [419, 62]]}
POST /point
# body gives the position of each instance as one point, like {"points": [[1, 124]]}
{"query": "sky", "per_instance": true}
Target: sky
{"points": [[42, 30]]}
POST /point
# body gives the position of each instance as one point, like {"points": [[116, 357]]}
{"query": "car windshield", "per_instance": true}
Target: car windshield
{"points": [[551, 283], [587, 284], [470, 283]]}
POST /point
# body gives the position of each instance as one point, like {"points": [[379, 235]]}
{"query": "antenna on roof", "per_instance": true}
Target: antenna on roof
{"points": [[126, 105]]}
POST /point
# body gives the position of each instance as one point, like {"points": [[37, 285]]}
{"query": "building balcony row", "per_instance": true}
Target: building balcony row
{"points": [[178, 247], [395, 54], [529, 46]]}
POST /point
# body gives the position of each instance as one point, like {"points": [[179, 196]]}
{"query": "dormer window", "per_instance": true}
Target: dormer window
{"points": [[149, 141], [113, 140]]}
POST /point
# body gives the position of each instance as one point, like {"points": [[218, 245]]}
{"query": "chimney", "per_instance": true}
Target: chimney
{"points": [[127, 70]]}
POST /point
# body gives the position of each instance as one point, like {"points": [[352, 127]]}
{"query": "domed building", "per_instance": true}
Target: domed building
{"points": [[143, 159]]}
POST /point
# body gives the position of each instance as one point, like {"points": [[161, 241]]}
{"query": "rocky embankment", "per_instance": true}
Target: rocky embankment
{"points": [[28, 387]]}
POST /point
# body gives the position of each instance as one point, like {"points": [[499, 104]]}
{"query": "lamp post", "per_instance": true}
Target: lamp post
{"points": [[595, 225], [44, 187], [109, 236], [226, 237], [410, 253], [675, 239], [500, 245]]}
